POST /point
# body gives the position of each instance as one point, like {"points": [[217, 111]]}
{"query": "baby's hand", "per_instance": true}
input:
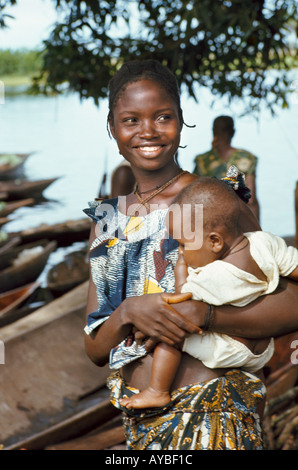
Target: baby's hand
{"points": [[139, 337]]}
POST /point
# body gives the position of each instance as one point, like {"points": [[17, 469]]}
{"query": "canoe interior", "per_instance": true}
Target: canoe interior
{"points": [[8, 170], [28, 270], [11, 299]]}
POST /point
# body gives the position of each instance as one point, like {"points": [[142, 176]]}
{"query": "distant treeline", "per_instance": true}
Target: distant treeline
{"points": [[19, 63]]}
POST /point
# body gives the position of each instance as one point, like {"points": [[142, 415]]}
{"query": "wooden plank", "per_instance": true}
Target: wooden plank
{"points": [[46, 370], [76, 298], [101, 440], [72, 427]]}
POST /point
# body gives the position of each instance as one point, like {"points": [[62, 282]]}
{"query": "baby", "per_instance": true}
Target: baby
{"points": [[221, 265]]}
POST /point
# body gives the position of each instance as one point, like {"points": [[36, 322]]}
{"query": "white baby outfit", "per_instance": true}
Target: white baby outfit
{"points": [[220, 283]]}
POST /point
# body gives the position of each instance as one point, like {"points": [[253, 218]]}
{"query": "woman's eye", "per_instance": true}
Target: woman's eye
{"points": [[164, 117], [129, 120]]}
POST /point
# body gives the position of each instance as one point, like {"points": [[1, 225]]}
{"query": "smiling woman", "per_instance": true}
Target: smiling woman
{"points": [[132, 284]]}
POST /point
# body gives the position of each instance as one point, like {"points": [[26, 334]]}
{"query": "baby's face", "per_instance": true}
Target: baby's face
{"points": [[193, 243]]}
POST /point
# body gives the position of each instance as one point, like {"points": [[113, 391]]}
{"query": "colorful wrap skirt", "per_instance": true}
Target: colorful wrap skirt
{"points": [[220, 414]]}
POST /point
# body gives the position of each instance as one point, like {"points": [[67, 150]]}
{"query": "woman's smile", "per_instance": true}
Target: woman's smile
{"points": [[149, 151]]}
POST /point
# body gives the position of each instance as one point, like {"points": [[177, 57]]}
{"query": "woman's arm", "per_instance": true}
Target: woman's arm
{"points": [[151, 314], [271, 315], [99, 343]]}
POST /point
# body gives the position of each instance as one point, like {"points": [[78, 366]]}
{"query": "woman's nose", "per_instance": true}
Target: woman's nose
{"points": [[148, 128]]}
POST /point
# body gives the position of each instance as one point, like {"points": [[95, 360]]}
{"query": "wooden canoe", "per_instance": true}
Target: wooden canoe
{"points": [[5, 238], [22, 188], [64, 233], [9, 207], [11, 300], [50, 390], [23, 264], [10, 243], [3, 221], [70, 272], [8, 170]]}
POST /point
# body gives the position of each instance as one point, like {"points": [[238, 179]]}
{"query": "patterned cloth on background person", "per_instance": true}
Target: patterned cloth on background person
{"points": [[220, 414], [211, 164]]}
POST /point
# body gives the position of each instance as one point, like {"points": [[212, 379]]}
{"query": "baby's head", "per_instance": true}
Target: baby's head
{"points": [[204, 218]]}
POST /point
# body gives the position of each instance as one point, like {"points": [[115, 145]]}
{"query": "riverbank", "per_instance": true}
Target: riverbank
{"points": [[68, 139]]}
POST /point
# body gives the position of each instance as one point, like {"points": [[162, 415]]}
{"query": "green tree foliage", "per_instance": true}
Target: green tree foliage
{"points": [[3, 15], [227, 45], [19, 63]]}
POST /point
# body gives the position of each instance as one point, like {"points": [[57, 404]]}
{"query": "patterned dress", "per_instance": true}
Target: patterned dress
{"points": [[132, 256], [211, 164]]}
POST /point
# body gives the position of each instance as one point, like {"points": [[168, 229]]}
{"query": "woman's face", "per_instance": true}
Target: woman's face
{"points": [[146, 125]]}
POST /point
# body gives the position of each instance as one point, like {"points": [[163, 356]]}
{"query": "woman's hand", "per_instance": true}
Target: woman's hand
{"points": [[155, 317]]}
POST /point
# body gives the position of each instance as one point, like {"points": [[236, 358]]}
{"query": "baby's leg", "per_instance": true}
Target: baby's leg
{"points": [[165, 363]]}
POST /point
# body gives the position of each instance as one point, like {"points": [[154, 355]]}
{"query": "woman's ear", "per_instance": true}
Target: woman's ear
{"points": [[216, 242], [111, 127]]}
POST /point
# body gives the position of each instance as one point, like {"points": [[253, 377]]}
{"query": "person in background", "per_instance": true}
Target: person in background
{"points": [[122, 180], [222, 155]]}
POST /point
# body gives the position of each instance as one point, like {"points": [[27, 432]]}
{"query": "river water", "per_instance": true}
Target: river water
{"points": [[69, 140]]}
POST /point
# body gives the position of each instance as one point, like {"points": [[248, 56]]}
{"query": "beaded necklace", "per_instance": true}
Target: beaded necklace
{"points": [[158, 189]]}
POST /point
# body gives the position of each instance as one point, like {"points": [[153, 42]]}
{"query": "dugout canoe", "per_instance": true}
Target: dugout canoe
{"points": [[50, 390], [3, 221], [23, 264], [22, 188], [7, 208], [11, 301], [69, 273], [12, 163], [9, 243], [6, 239], [64, 233]]}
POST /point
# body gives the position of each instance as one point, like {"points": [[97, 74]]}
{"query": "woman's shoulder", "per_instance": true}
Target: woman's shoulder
{"points": [[187, 179]]}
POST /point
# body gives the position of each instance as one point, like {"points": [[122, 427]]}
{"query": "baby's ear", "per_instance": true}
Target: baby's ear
{"points": [[216, 242]]}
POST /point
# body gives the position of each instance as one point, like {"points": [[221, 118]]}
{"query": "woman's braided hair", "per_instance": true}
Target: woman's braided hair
{"points": [[136, 70]]}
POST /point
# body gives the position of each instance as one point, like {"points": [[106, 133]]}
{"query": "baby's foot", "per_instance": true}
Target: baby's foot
{"points": [[148, 398]]}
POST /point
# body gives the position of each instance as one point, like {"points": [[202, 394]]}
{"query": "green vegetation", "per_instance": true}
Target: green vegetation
{"points": [[17, 68], [229, 46]]}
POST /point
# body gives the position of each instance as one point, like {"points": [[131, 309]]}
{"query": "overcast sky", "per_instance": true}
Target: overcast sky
{"points": [[31, 24]]}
